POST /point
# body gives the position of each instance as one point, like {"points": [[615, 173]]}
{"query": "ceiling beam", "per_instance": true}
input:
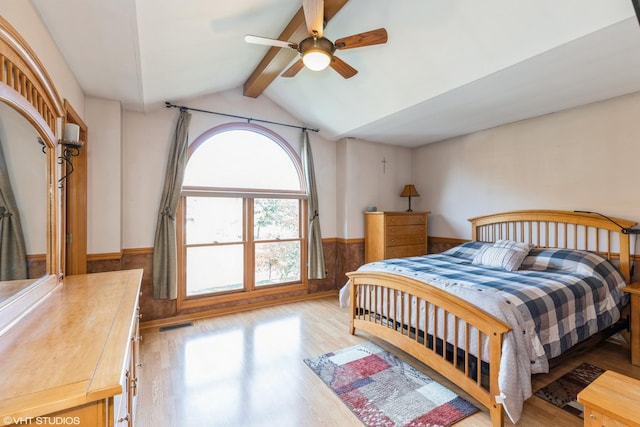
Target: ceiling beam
{"points": [[277, 59]]}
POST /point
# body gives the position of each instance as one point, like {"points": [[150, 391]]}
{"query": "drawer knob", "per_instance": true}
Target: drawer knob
{"points": [[593, 417]]}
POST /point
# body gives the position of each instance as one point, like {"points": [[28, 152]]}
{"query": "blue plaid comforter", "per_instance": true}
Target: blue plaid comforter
{"points": [[563, 296]]}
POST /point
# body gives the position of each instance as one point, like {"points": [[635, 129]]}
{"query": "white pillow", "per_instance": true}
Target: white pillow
{"points": [[504, 254]]}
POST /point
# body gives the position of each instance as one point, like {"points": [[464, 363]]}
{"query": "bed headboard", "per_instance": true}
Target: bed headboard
{"points": [[559, 229]]}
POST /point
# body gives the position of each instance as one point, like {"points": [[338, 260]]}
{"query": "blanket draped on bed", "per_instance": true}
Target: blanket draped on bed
{"points": [[557, 299]]}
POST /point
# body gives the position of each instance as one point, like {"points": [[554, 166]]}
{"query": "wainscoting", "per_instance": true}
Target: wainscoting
{"points": [[36, 266], [341, 257]]}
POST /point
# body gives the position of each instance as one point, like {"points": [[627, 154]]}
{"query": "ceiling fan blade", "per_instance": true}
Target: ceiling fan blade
{"points": [[294, 69], [269, 42], [344, 69], [368, 38], [314, 16]]}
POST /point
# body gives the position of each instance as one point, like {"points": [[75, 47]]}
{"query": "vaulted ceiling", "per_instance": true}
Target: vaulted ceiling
{"points": [[449, 67]]}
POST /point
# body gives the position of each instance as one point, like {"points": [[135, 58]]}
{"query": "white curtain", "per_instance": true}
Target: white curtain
{"points": [[165, 249], [316, 254]]}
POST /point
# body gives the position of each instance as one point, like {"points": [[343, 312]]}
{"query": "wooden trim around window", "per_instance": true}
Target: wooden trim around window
{"points": [[250, 292], [216, 300]]}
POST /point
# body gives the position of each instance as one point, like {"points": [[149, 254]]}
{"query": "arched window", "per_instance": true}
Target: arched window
{"points": [[242, 216]]}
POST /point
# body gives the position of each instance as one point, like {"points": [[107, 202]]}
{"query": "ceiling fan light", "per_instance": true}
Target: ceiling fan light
{"points": [[316, 59]]}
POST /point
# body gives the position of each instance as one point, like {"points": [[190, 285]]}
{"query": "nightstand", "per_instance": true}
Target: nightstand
{"points": [[611, 400], [634, 324]]}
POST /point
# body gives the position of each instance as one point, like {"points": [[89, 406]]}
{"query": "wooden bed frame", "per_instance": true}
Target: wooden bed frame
{"points": [[370, 291]]}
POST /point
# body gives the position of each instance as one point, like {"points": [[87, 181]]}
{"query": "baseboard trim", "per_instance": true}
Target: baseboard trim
{"points": [[350, 241], [113, 256], [182, 318]]}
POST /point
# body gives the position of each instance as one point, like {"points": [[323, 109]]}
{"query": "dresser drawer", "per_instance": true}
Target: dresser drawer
{"points": [[593, 418], [405, 251], [405, 219], [404, 230], [408, 239]]}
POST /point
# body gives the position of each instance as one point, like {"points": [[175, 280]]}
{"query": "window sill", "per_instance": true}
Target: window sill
{"points": [[213, 300]]}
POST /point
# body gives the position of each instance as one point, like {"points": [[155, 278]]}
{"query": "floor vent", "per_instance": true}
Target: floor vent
{"points": [[179, 325]]}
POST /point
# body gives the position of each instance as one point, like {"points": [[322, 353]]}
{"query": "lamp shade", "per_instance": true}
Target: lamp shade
{"points": [[409, 190], [316, 59]]}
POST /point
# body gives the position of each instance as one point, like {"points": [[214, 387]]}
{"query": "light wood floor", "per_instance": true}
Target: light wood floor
{"points": [[247, 369]]}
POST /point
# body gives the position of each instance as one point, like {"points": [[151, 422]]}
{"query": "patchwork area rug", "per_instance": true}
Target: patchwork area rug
{"points": [[382, 390], [563, 392]]}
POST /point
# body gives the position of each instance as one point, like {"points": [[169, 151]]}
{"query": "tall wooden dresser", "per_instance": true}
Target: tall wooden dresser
{"points": [[394, 235]]}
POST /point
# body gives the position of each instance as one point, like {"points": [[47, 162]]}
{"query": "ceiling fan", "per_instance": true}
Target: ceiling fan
{"points": [[317, 51]]}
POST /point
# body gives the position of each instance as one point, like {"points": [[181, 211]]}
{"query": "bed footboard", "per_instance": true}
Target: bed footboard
{"points": [[458, 340]]}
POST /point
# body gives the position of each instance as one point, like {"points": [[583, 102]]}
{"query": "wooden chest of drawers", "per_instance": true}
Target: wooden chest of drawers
{"points": [[611, 401], [634, 292], [394, 235]]}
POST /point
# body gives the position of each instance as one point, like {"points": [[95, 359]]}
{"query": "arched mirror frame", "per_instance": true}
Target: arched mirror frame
{"points": [[26, 86]]}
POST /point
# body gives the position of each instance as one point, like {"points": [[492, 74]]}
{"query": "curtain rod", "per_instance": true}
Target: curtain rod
{"points": [[248, 119]]}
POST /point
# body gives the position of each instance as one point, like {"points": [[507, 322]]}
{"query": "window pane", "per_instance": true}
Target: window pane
{"points": [[214, 269], [276, 219], [241, 159], [277, 262], [213, 220]]}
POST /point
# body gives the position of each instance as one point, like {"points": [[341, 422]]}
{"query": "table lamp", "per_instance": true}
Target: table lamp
{"points": [[409, 191]]}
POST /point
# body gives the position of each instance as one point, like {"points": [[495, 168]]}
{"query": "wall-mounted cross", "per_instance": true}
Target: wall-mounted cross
{"points": [[384, 164]]}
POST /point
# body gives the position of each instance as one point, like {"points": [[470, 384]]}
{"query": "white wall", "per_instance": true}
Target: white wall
{"points": [[104, 180], [147, 138], [364, 180], [342, 195], [24, 18], [585, 158]]}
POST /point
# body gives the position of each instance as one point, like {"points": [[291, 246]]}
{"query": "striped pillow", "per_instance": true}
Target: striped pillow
{"points": [[503, 254]]}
